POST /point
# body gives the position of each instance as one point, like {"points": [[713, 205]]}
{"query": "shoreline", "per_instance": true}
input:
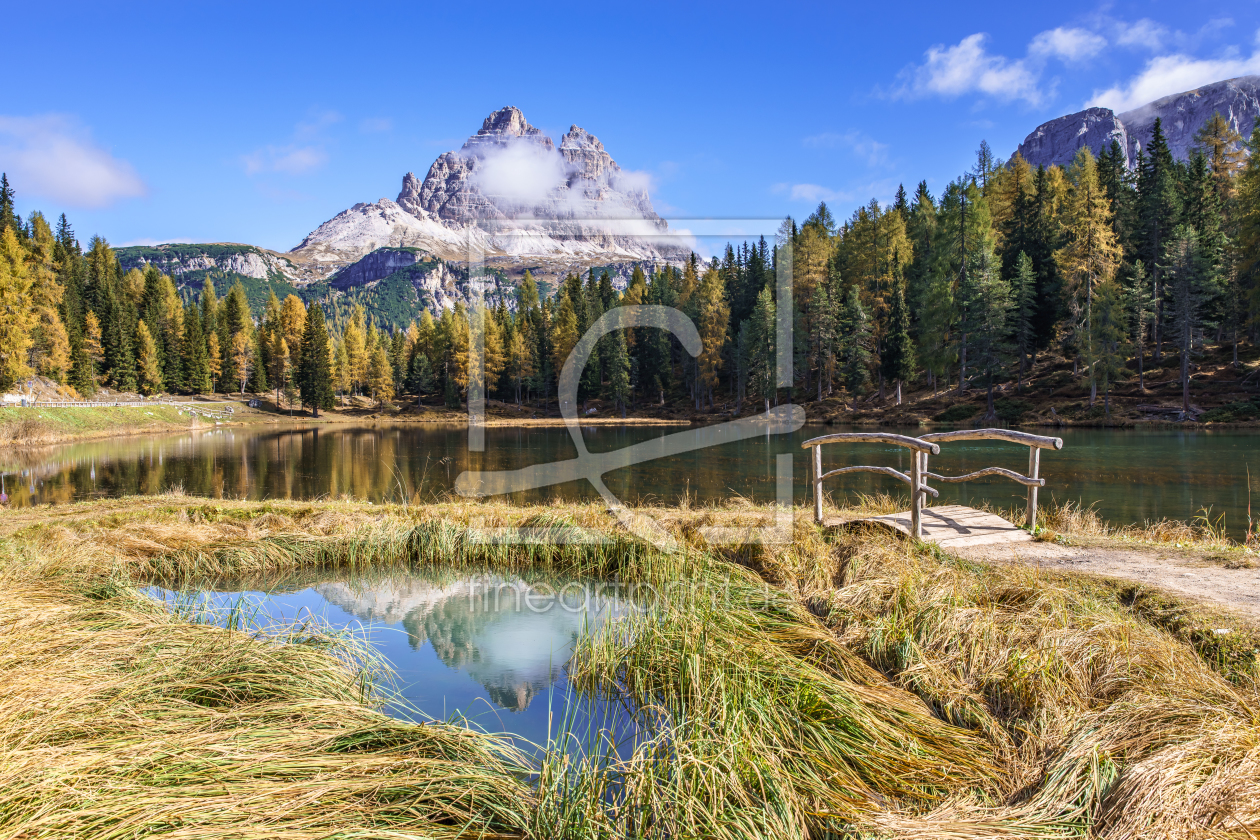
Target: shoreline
{"points": [[31, 428]]}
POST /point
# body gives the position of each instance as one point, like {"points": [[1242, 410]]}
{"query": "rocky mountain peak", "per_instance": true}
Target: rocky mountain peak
{"points": [[1181, 115], [583, 151], [503, 127], [513, 191]]}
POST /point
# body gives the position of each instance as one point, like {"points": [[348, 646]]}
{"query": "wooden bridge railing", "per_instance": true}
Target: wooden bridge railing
{"points": [[1032, 481], [921, 448]]}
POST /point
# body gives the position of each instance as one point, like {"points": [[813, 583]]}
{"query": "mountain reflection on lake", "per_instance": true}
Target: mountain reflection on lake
{"points": [[491, 649]]}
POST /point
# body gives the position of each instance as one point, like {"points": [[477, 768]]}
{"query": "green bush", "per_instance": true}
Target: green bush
{"points": [[1233, 413], [957, 413], [1011, 409]]}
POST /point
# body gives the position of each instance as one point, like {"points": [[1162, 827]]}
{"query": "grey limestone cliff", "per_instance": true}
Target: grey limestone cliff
{"points": [[1181, 116], [510, 170]]}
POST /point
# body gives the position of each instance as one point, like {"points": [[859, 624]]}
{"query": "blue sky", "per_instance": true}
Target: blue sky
{"points": [[256, 122]]}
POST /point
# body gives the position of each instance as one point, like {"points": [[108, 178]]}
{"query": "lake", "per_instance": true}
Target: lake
{"points": [[1132, 475]]}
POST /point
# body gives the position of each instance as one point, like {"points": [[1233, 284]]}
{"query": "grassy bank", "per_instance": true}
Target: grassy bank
{"points": [[42, 426], [851, 686], [34, 426]]}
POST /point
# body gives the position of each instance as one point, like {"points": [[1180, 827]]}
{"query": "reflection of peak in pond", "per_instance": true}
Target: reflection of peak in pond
{"points": [[512, 638]]}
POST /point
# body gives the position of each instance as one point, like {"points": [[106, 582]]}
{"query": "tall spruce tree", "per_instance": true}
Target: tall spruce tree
{"points": [[1110, 336], [1187, 272], [1159, 203], [898, 350], [855, 343], [1138, 311], [1023, 304], [314, 371]]}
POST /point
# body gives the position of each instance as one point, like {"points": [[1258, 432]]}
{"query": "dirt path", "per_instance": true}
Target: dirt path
{"points": [[1202, 576]]}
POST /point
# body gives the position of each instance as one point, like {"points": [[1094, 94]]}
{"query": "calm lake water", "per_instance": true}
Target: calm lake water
{"points": [[1131, 475], [485, 650]]}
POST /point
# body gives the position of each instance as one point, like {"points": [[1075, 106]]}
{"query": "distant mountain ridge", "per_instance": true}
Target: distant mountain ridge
{"points": [[508, 193], [1182, 114]]}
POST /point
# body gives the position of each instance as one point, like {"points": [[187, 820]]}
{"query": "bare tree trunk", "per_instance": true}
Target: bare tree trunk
{"points": [[1185, 377], [962, 368], [898, 396], [1159, 319]]}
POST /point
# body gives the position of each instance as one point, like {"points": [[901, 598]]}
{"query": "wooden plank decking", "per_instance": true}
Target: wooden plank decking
{"points": [[949, 526]]}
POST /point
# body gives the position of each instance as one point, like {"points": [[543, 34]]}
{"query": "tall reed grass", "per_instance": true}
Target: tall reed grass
{"points": [[844, 685]]}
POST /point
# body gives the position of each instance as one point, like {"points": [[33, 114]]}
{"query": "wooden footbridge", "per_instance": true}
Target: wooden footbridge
{"points": [[947, 525]]}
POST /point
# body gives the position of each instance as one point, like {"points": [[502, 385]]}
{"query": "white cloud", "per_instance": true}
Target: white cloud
{"points": [[292, 160], [862, 145], [50, 156], [1168, 74], [305, 154], [521, 173], [1143, 33], [968, 67], [1068, 44], [811, 192], [634, 180], [314, 127]]}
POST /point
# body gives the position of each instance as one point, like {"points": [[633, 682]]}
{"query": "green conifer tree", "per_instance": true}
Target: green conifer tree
{"points": [[855, 343], [1023, 310], [1159, 203], [314, 370], [1138, 311], [898, 357]]}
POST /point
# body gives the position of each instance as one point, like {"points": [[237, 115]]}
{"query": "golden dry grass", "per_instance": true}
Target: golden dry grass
{"points": [[848, 685]]}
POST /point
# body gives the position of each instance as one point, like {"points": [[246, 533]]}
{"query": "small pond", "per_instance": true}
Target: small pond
{"points": [[488, 651]]}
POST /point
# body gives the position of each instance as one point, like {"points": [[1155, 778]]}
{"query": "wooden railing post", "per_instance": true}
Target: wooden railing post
{"points": [[916, 494], [1034, 466], [818, 473]]}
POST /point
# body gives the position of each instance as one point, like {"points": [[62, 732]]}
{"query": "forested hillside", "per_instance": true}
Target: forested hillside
{"points": [[1111, 270]]}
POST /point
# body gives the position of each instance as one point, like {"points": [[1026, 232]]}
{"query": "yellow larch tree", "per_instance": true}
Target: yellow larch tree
{"points": [[715, 314], [148, 362], [50, 342], [214, 359], [1223, 147], [17, 316], [355, 341], [242, 357], [1091, 254], [564, 334], [381, 375]]}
